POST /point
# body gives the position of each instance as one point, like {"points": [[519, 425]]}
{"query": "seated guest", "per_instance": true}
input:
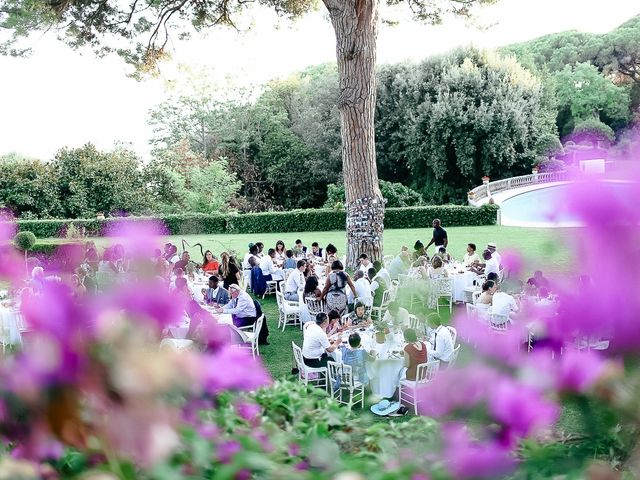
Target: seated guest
{"points": [[399, 265], [442, 253], [356, 357], [228, 271], [209, 263], [77, 288], [396, 315], [299, 249], [315, 345], [419, 268], [86, 280], [503, 304], [471, 257], [332, 255], [494, 277], [415, 353], [289, 261], [173, 257], [183, 262], [316, 251], [490, 265], [538, 280], [363, 288], [359, 317], [491, 246], [311, 289], [334, 323], [381, 272], [378, 286], [280, 251], [437, 269], [419, 250], [365, 263], [268, 267], [241, 307], [442, 342], [260, 247], [488, 289], [215, 294], [182, 287], [295, 282]]}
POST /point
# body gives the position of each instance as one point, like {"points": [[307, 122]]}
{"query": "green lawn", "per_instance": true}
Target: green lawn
{"points": [[542, 248]]}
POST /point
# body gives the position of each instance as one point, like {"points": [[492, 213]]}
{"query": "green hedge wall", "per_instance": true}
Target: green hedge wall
{"points": [[294, 221]]}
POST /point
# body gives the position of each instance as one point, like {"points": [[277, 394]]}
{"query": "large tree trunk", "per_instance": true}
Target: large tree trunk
{"points": [[356, 25]]}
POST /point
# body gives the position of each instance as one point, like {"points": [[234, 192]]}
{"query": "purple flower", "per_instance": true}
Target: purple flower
{"points": [[578, 371], [521, 408], [231, 369], [244, 474], [249, 411], [466, 458], [512, 261], [227, 450]]}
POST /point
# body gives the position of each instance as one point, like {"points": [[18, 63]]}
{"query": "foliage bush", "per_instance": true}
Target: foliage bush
{"points": [[551, 165], [396, 194], [594, 130], [318, 220], [24, 241]]}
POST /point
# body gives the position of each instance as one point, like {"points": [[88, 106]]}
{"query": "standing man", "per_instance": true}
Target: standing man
{"points": [[439, 238], [491, 246]]}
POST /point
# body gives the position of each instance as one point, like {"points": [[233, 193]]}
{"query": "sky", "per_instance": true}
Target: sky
{"points": [[59, 97]]}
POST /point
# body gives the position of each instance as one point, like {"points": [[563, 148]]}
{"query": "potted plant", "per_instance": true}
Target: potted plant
{"points": [[535, 170], [485, 180], [382, 329], [100, 216], [25, 241]]}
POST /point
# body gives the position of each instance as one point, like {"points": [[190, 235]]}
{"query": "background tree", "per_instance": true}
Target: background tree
{"points": [[103, 23]]}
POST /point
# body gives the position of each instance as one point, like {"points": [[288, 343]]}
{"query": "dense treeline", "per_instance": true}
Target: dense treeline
{"points": [[441, 124]]}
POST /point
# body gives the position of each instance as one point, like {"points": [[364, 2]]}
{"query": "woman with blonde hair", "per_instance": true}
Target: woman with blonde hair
{"points": [[437, 269], [228, 271]]}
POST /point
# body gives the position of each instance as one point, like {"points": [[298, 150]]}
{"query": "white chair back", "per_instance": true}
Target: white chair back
{"points": [[426, 371], [454, 356], [498, 322], [340, 375], [297, 355], [314, 306], [476, 296], [454, 334], [414, 323], [472, 311], [279, 299], [443, 286]]}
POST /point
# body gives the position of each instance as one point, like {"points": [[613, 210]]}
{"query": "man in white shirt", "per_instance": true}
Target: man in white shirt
{"points": [[316, 345], [397, 315], [442, 342], [241, 307], [503, 304], [491, 246], [268, 268], [490, 265], [363, 288], [295, 282], [471, 256], [365, 263]]}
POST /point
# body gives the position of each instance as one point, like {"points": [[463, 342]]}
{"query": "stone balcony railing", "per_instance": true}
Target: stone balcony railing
{"points": [[478, 194]]}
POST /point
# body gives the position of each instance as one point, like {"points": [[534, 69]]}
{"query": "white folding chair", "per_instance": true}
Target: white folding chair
{"points": [[409, 388], [472, 311], [414, 322], [306, 374], [341, 384], [272, 287], [289, 312], [249, 336], [454, 356], [443, 288], [380, 310]]}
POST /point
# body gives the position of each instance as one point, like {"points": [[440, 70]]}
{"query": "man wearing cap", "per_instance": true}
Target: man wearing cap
{"points": [[241, 307], [491, 246], [439, 238]]}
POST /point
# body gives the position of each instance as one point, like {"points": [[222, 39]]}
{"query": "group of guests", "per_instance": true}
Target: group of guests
{"points": [[318, 349]]}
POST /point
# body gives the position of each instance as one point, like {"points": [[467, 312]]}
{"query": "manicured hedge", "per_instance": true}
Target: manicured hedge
{"points": [[294, 221]]}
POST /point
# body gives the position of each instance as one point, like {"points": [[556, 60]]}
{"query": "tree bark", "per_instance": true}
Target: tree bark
{"points": [[355, 23]]}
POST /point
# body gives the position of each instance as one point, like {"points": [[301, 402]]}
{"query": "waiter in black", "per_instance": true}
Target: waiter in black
{"points": [[439, 238]]}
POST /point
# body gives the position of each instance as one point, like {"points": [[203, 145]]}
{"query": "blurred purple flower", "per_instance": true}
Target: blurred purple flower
{"points": [[520, 408], [231, 369], [248, 411], [226, 450], [466, 458], [512, 261], [578, 370], [139, 237], [504, 346]]}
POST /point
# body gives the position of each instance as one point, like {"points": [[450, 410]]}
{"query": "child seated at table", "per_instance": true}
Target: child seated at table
{"points": [[356, 357]]}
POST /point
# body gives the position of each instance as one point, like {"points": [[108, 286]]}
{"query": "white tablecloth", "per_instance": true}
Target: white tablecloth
{"points": [[460, 282], [384, 373], [9, 322]]}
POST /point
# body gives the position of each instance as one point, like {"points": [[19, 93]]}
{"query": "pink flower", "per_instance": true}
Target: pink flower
{"points": [[466, 458], [578, 371], [512, 261], [227, 450], [521, 408], [231, 369], [249, 411]]}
